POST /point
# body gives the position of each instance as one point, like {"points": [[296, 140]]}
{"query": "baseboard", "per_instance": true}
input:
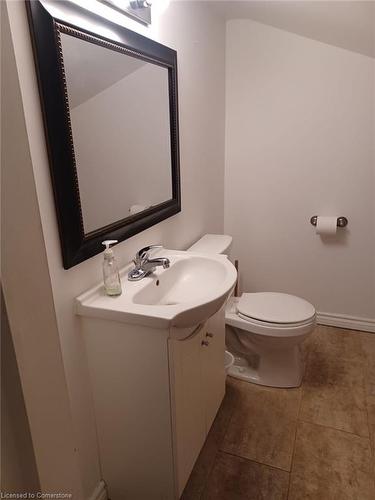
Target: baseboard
{"points": [[344, 321], [100, 492]]}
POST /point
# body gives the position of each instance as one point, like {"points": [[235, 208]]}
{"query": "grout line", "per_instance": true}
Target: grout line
{"points": [[254, 461], [335, 429], [306, 361], [294, 444]]}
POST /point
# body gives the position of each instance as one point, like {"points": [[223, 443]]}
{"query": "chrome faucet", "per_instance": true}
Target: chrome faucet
{"points": [[144, 265]]}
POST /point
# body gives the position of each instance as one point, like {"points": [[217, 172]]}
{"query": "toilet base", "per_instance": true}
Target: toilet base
{"points": [[281, 368]]}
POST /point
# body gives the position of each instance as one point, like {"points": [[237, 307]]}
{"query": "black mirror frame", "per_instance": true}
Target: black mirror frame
{"points": [[45, 30]]}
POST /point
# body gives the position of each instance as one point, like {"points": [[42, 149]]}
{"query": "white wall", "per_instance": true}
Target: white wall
{"points": [[300, 142], [18, 466], [29, 299], [198, 38]]}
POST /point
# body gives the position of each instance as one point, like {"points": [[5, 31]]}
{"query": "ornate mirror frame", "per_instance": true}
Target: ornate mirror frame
{"points": [[45, 32]]}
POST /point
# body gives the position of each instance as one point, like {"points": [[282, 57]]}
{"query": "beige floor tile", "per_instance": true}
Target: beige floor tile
{"points": [[368, 343], [368, 346], [339, 343], [327, 368], [372, 439], [263, 424], [258, 424], [307, 345], [330, 464], [234, 478], [336, 357], [340, 407], [370, 401], [334, 383]]}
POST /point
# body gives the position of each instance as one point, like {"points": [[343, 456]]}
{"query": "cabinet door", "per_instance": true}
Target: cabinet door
{"points": [[212, 360], [188, 409]]}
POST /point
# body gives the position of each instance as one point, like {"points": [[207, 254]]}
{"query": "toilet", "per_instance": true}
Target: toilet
{"points": [[264, 330]]}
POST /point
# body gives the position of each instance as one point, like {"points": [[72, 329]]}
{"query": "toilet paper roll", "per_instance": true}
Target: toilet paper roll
{"points": [[326, 225]]}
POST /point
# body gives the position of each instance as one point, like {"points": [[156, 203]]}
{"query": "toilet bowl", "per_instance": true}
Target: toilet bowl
{"points": [[264, 330]]}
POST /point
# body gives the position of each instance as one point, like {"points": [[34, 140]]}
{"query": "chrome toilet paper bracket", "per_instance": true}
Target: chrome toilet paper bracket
{"points": [[341, 221]]}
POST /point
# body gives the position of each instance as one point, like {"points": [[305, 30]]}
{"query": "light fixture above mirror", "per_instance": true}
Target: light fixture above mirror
{"points": [[137, 9]]}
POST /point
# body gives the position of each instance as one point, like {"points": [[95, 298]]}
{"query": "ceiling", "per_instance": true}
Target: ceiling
{"points": [[346, 24]]}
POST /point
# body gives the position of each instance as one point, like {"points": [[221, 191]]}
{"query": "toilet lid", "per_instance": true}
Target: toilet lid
{"points": [[275, 307]]}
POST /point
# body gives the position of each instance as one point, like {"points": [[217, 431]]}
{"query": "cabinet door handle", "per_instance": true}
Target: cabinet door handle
{"points": [[204, 342], [210, 335]]}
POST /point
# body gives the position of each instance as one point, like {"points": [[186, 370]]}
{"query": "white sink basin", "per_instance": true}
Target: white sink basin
{"points": [[186, 280], [191, 290]]}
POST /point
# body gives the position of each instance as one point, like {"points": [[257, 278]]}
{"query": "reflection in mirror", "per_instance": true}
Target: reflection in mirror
{"points": [[119, 111]]}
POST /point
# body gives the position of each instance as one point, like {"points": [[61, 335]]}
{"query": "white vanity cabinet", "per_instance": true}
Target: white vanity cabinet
{"points": [[156, 361], [213, 371], [155, 398], [197, 389]]}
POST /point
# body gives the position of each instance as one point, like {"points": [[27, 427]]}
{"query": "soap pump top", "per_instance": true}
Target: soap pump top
{"points": [[108, 252], [111, 276]]}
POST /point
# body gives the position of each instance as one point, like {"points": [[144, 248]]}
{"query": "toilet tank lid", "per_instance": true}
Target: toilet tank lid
{"points": [[212, 243]]}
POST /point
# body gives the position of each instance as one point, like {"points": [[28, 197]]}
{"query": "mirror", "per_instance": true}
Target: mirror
{"points": [[110, 112], [119, 112]]}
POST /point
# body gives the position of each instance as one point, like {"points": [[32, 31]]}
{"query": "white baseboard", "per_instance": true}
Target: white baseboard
{"points": [[100, 492], [344, 321]]}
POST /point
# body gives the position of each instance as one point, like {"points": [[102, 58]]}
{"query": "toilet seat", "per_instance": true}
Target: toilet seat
{"points": [[281, 326], [275, 308], [304, 323]]}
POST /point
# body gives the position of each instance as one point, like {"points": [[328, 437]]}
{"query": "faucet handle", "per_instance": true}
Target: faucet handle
{"points": [[145, 252]]}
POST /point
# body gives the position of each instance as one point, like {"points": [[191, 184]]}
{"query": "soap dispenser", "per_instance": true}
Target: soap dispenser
{"points": [[111, 276]]}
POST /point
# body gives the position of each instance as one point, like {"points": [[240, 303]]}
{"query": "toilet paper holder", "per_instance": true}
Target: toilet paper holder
{"points": [[341, 221]]}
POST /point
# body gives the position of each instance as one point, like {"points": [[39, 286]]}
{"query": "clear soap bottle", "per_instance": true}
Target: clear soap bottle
{"points": [[111, 276]]}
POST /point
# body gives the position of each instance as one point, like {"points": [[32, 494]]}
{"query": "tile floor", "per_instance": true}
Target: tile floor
{"points": [[313, 442]]}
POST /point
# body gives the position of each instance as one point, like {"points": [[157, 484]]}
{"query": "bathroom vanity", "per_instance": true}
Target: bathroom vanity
{"points": [[156, 360]]}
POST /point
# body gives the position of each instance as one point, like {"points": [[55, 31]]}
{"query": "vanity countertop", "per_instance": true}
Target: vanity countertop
{"points": [[191, 290]]}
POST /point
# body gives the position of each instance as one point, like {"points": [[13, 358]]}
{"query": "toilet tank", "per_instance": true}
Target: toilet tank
{"points": [[212, 243]]}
